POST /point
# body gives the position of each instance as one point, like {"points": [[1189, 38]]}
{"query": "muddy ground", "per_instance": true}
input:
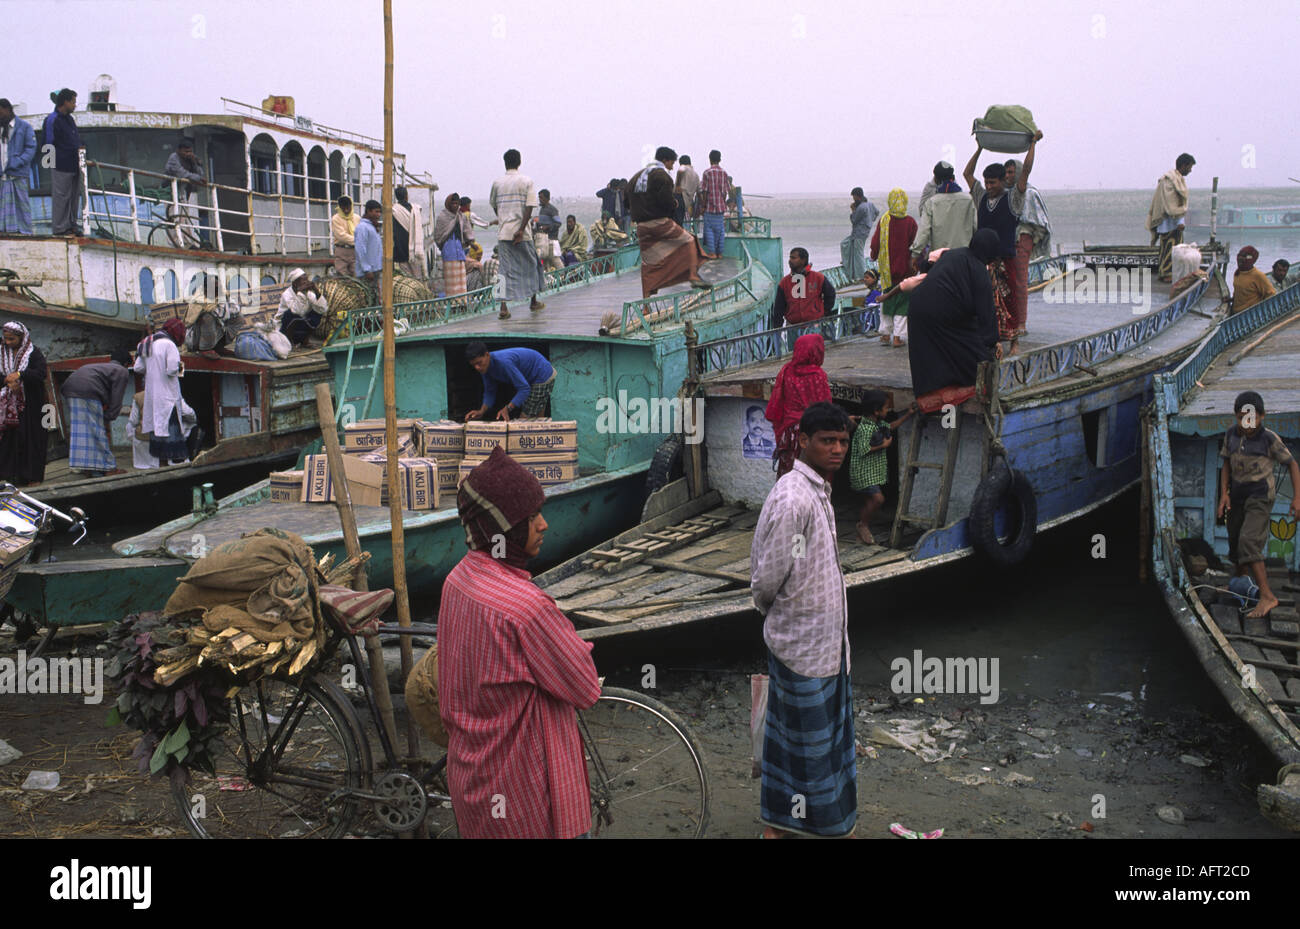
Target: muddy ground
{"points": [[1027, 767]]}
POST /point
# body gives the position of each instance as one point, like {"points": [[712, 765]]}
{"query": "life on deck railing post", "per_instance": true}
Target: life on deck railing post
{"points": [[85, 185], [135, 208], [216, 217], [279, 199]]}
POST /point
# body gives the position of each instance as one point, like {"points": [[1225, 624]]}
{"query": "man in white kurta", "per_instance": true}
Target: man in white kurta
{"points": [[159, 360]]}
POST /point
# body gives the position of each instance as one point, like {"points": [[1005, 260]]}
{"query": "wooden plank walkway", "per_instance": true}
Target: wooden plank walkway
{"points": [[1272, 368]]}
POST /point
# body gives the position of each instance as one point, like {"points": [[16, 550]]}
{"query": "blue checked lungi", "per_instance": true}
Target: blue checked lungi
{"points": [[809, 752], [88, 444], [519, 271], [15, 209]]}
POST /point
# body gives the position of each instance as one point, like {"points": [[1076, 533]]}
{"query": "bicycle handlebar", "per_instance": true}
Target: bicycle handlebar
{"points": [[76, 521]]}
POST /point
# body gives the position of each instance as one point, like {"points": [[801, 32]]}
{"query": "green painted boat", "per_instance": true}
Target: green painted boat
{"points": [[641, 356]]}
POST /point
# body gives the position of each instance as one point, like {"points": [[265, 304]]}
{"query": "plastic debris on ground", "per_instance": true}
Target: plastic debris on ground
{"points": [[1170, 814], [903, 832], [1196, 761], [41, 780], [920, 737], [8, 753]]}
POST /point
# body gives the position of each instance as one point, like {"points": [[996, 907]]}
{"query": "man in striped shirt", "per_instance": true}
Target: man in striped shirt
{"points": [[715, 188], [511, 672]]}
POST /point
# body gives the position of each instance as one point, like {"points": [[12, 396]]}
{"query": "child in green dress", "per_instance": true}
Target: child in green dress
{"points": [[868, 464]]}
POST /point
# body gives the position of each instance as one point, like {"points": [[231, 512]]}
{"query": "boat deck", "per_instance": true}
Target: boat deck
{"points": [[706, 577], [577, 311], [1270, 366], [863, 362]]}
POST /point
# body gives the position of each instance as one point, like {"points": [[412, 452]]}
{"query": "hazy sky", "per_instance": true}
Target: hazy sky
{"points": [[798, 96]]}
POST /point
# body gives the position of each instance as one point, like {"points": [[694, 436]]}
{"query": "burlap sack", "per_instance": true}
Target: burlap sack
{"points": [[422, 696]]}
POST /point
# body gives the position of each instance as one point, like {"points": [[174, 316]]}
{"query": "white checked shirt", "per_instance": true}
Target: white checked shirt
{"points": [[510, 194], [803, 598]]}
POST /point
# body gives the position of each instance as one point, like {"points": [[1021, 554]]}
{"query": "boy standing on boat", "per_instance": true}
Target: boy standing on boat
{"points": [[343, 227], [1247, 489], [511, 672], [1168, 214], [514, 199], [809, 768]]}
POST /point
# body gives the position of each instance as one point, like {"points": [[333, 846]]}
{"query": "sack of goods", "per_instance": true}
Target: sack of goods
{"points": [[1006, 129]]}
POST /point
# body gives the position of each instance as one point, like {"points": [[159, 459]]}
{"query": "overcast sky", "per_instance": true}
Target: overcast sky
{"points": [[799, 96]]}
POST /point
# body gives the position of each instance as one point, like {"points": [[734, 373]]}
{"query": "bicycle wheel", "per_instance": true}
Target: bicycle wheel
{"points": [[646, 770], [287, 749]]}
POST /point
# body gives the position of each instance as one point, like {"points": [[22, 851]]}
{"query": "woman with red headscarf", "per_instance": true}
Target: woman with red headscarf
{"points": [[800, 383], [158, 358]]}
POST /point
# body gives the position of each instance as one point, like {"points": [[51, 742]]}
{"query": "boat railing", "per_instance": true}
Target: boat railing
{"points": [[652, 313], [758, 227], [1232, 329], [301, 124], [368, 321], [145, 202], [764, 344], [1053, 362]]}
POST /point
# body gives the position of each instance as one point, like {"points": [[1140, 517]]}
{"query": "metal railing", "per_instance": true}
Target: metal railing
{"points": [[1053, 362], [652, 313], [581, 273], [147, 209], [755, 226], [302, 124], [765, 344], [1232, 329]]}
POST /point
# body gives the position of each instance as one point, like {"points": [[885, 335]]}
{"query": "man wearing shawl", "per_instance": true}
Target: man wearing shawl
{"points": [[514, 198], [407, 219], [448, 235], [605, 232], [1168, 214], [947, 216], [1033, 232], [1249, 284], [853, 249], [800, 383], [953, 322], [891, 247], [669, 254], [17, 149], [511, 672], [301, 308], [94, 393], [158, 358], [23, 436], [573, 243], [809, 765]]}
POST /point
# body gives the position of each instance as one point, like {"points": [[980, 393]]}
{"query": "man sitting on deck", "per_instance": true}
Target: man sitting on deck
{"points": [[94, 393], [511, 672], [1278, 278], [1249, 284], [669, 254], [301, 308], [1247, 489], [605, 233], [522, 370], [809, 768], [573, 243], [803, 295]]}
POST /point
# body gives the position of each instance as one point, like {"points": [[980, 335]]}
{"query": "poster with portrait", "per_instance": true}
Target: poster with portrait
{"points": [[757, 438]]}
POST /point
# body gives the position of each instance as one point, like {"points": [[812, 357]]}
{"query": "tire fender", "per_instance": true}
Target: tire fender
{"points": [[667, 464], [1004, 485]]}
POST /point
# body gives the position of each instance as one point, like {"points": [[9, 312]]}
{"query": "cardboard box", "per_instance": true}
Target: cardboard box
{"points": [[551, 469], [367, 478], [481, 438], [367, 435], [286, 486], [468, 464], [439, 439], [448, 474], [542, 437], [406, 448]]}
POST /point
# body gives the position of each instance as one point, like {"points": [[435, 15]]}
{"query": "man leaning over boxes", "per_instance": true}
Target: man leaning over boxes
{"points": [[522, 370]]}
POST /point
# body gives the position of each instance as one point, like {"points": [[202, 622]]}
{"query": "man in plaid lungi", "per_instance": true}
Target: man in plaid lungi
{"points": [[523, 371], [95, 393]]}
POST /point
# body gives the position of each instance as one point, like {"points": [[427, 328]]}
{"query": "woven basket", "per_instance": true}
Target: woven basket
{"points": [[407, 289]]}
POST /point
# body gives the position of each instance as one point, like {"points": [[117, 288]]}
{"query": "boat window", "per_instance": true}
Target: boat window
{"points": [[336, 175], [268, 280], [238, 290], [169, 287], [262, 158], [354, 179], [203, 285], [146, 286], [292, 172], [1094, 436], [316, 173]]}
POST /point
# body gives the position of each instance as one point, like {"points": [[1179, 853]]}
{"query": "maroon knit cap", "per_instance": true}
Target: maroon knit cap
{"points": [[176, 329], [499, 497]]}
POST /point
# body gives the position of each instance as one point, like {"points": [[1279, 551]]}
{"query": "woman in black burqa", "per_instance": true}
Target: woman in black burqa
{"points": [[951, 321]]}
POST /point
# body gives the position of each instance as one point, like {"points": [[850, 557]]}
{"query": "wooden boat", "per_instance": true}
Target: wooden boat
{"points": [[273, 178], [1255, 663], [1253, 218], [644, 357], [1064, 414]]}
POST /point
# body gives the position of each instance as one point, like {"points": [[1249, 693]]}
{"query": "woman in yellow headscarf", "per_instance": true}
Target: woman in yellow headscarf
{"points": [[891, 246]]}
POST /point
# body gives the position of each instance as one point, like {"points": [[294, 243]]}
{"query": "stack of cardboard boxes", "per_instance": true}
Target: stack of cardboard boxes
{"points": [[548, 448], [365, 463], [442, 440]]}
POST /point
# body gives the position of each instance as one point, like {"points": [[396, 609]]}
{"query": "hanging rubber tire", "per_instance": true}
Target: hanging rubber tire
{"points": [[1001, 486], [667, 465]]}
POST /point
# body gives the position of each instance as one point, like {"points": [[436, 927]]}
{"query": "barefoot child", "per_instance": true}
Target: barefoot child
{"points": [[868, 465], [872, 280], [1247, 488]]}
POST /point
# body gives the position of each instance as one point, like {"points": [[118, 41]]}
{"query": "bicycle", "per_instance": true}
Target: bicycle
{"points": [[296, 762]]}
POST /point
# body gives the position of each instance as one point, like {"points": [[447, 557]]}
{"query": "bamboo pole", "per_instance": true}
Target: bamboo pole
{"points": [[352, 544], [390, 383]]}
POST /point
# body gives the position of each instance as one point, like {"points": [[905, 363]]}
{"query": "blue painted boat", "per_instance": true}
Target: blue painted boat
{"points": [[1064, 414], [1253, 662]]}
